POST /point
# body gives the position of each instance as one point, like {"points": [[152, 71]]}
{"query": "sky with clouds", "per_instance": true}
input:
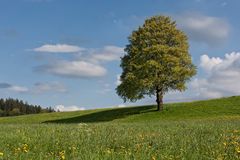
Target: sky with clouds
{"points": [[66, 53]]}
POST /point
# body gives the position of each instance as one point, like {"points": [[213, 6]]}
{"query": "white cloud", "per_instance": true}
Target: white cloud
{"points": [[203, 89], [49, 87], [77, 69], [14, 88], [58, 48], [223, 75], [121, 105], [118, 81], [209, 63], [86, 64], [18, 89], [38, 88], [107, 53], [212, 31], [63, 108]]}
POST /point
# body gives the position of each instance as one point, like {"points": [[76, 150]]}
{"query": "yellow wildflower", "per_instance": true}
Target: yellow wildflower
{"points": [[238, 149], [25, 148], [17, 150], [62, 155], [1, 154]]}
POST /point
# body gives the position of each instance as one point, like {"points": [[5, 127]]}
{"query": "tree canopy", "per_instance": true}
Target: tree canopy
{"points": [[15, 107], [157, 60]]}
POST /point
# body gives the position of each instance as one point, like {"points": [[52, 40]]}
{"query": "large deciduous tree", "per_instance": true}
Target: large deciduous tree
{"points": [[157, 60]]}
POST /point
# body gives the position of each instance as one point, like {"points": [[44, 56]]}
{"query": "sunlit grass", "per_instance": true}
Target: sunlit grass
{"points": [[164, 140], [199, 130]]}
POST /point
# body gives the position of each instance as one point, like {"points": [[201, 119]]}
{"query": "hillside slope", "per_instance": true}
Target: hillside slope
{"points": [[216, 108], [195, 130]]}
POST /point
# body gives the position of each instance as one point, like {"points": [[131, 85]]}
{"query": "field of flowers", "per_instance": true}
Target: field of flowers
{"points": [[135, 136], [164, 140]]}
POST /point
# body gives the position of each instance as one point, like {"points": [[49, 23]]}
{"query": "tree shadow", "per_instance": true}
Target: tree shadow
{"points": [[105, 116]]}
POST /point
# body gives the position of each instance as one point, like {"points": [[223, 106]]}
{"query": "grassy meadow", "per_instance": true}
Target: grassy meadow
{"points": [[195, 130]]}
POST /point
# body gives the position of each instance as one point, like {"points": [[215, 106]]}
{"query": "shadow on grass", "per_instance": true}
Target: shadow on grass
{"points": [[105, 116]]}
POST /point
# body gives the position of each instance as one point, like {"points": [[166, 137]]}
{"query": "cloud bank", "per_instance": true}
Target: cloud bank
{"points": [[63, 108], [14, 88], [87, 63], [107, 53], [74, 69], [222, 76], [43, 87], [212, 31], [37, 88], [58, 48]]}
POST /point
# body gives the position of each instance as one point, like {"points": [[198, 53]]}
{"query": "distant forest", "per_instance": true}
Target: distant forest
{"points": [[15, 107]]}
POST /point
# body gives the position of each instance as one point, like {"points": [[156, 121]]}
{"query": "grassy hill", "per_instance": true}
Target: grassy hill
{"points": [[194, 130], [216, 108]]}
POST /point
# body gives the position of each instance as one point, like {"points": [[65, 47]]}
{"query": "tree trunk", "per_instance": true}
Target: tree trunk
{"points": [[159, 100]]}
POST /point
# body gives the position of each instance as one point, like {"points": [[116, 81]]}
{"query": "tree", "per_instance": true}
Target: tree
{"points": [[14, 107], [157, 61]]}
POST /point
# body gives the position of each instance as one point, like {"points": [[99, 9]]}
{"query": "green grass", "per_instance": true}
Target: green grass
{"points": [[195, 130]]}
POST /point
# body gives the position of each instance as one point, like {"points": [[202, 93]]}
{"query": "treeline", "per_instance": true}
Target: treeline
{"points": [[15, 107]]}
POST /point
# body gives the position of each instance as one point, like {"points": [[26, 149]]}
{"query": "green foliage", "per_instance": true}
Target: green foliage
{"points": [[15, 107], [157, 59]]}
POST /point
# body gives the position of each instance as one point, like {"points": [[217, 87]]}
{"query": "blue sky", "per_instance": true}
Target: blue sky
{"points": [[65, 53]]}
